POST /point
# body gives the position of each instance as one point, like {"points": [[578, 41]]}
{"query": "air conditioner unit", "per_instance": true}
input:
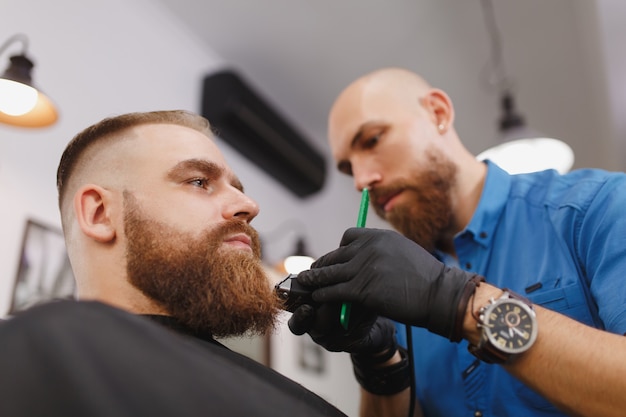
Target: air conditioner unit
{"points": [[244, 119]]}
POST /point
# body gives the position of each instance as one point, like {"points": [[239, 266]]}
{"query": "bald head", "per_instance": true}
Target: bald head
{"points": [[394, 86], [393, 81], [390, 99]]}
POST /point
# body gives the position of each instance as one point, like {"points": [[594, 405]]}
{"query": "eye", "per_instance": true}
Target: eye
{"points": [[201, 183], [371, 142]]}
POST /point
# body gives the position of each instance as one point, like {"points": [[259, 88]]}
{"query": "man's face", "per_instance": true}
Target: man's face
{"points": [[199, 279], [188, 242], [388, 144]]}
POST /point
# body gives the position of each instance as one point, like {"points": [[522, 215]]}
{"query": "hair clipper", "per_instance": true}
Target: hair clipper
{"points": [[293, 294]]}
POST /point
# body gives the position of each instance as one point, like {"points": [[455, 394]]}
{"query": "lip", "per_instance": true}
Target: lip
{"points": [[387, 201], [241, 240]]}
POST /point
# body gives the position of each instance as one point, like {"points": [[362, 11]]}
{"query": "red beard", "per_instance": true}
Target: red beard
{"points": [[207, 288]]}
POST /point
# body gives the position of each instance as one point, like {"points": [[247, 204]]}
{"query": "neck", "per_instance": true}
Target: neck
{"points": [[119, 293], [465, 198]]}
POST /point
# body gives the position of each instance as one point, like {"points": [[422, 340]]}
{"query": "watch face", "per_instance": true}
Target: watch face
{"points": [[509, 325]]}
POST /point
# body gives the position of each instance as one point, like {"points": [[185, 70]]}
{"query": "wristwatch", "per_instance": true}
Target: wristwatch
{"points": [[508, 328]]}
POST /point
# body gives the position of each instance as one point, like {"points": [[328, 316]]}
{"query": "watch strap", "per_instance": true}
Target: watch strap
{"points": [[516, 296], [468, 292], [487, 353]]}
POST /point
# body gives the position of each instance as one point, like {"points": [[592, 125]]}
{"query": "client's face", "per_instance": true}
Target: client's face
{"points": [[204, 283]]}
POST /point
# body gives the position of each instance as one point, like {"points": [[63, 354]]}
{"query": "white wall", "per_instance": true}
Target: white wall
{"points": [[100, 58]]}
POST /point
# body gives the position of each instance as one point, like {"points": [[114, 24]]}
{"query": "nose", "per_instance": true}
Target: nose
{"points": [[240, 206], [365, 177]]}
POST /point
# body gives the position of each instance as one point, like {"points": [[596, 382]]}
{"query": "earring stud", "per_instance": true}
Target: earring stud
{"points": [[441, 127]]}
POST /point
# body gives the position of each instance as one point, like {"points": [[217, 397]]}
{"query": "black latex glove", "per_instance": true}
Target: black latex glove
{"points": [[391, 275], [367, 334]]}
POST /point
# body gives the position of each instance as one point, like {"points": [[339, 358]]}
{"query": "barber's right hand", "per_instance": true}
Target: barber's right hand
{"points": [[367, 333], [385, 272]]}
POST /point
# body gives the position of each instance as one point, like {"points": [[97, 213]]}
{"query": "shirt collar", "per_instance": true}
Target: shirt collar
{"points": [[493, 198]]}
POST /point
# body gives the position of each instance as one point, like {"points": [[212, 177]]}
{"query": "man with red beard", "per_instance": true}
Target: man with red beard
{"points": [[543, 336], [157, 225]]}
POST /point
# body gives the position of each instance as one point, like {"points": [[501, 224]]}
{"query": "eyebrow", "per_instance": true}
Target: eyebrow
{"points": [[210, 169]]}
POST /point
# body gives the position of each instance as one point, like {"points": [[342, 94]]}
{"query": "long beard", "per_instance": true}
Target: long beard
{"points": [[205, 286], [425, 215]]}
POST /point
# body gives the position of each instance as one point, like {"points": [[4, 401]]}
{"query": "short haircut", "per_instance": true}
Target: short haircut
{"points": [[115, 125]]}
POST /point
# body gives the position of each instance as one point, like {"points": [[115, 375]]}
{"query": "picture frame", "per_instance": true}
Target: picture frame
{"points": [[44, 272]]}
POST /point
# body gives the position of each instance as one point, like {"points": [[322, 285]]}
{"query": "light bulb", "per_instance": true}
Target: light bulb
{"points": [[16, 98], [295, 264], [530, 155]]}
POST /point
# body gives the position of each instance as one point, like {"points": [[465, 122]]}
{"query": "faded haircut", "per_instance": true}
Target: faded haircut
{"points": [[116, 125]]}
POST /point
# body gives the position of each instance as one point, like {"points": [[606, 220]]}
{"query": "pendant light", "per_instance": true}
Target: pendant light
{"points": [[299, 260], [520, 149], [21, 102]]}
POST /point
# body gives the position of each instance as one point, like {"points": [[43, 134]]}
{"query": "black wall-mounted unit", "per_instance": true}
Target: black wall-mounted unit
{"points": [[248, 122]]}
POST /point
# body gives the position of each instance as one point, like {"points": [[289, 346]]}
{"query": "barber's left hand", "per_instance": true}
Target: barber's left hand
{"points": [[391, 275], [367, 333]]}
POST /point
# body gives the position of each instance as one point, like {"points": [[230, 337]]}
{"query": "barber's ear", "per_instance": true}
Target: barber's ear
{"points": [[93, 206], [439, 108]]}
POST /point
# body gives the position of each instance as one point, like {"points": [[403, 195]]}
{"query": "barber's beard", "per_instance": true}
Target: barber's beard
{"points": [[425, 214], [197, 280]]}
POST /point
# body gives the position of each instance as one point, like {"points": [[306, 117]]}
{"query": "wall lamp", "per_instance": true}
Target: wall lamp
{"points": [[21, 102]]}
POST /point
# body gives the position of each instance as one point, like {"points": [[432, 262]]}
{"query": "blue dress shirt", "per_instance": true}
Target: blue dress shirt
{"points": [[559, 240]]}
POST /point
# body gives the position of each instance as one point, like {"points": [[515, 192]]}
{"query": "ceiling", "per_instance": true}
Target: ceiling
{"points": [[300, 54]]}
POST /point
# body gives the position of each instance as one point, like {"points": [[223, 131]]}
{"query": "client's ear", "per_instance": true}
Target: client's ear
{"points": [[93, 205]]}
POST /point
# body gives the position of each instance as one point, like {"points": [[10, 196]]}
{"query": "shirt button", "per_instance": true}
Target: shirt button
{"points": [[478, 413], [468, 265], [483, 235]]}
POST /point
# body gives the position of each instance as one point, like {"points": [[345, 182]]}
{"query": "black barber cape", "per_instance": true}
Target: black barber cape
{"points": [[71, 358]]}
